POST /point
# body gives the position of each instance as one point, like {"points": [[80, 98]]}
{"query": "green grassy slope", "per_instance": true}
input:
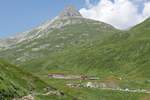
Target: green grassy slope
{"points": [[15, 82], [55, 41], [124, 55]]}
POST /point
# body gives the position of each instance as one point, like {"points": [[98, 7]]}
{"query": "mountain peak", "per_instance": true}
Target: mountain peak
{"points": [[70, 11]]}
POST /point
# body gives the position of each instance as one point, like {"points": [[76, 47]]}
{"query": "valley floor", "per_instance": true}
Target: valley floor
{"points": [[86, 89]]}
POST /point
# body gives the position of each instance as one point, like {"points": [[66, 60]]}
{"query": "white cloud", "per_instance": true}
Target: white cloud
{"points": [[121, 13], [146, 11]]}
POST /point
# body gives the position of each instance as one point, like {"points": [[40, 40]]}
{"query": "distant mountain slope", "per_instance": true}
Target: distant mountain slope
{"points": [[142, 29], [65, 31], [125, 52], [143, 26]]}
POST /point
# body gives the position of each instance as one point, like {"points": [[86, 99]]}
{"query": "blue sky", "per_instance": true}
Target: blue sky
{"points": [[21, 15]]}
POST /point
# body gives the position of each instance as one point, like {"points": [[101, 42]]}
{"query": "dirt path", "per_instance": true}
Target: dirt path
{"points": [[128, 90]]}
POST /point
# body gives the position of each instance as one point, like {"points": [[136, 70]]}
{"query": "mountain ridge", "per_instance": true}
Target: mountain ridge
{"points": [[70, 11], [69, 16]]}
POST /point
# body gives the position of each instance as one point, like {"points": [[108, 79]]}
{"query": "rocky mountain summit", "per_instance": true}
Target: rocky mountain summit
{"points": [[68, 16], [70, 11]]}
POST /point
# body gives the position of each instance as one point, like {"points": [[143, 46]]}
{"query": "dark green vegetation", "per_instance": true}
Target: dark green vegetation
{"points": [[9, 89], [15, 82], [86, 47]]}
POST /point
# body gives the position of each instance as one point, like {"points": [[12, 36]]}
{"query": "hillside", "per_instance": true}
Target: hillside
{"points": [[124, 55], [16, 83], [65, 31]]}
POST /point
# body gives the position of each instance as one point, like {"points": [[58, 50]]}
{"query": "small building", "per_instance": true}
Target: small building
{"points": [[73, 85], [89, 84], [92, 85], [93, 78], [56, 75], [126, 89], [84, 77], [102, 85], [89, 78]]}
